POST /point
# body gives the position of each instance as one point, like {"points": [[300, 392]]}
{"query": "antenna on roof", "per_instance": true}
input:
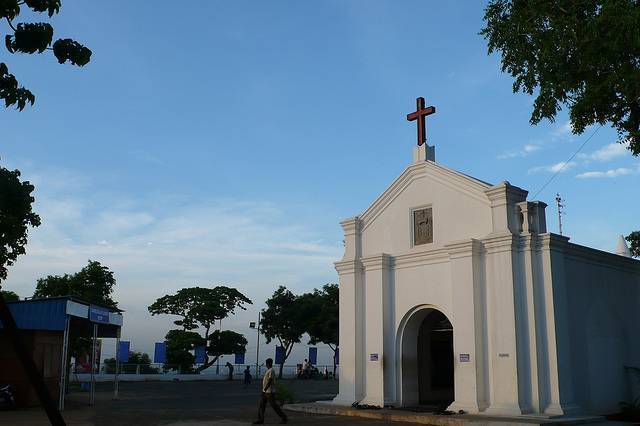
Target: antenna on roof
{"points": [[561, 206]]}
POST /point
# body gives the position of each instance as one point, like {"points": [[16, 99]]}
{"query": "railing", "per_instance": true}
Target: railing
{"points": [[165, 371]]}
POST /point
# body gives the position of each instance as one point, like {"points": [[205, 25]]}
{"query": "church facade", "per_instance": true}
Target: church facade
{"points": [[454, 294]]}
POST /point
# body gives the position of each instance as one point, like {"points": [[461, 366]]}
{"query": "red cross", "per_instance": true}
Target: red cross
{"points": [[420, 114]]}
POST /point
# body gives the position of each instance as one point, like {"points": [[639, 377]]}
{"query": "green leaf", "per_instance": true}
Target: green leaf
{"points": [[30, 38], [11, 92], [50, 6], [9, 9], [72, 51]]}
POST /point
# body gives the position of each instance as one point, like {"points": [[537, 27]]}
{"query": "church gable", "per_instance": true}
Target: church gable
{"points": [[426, 207]]}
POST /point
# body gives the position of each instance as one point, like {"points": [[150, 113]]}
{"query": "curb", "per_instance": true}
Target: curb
{"points": [[432, 419]]}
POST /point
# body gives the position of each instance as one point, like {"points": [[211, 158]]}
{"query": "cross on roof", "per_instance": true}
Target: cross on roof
{"points": [[420, 115]]}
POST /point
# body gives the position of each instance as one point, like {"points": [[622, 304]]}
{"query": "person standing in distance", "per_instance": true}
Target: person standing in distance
{"points": [[269, 395]]}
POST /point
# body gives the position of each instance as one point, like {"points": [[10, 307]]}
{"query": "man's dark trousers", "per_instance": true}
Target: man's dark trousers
{"points": [[271, 398]]}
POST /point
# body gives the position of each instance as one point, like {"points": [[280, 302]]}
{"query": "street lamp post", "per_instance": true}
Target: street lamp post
{"points": [[218, 360], [253, 325]]}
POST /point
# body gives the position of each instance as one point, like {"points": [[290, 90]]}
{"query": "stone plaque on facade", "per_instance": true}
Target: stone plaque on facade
{"points": [[422, 226]]}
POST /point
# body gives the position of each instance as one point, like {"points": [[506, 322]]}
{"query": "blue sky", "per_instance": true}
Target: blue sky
{"points": [[222, 142]]}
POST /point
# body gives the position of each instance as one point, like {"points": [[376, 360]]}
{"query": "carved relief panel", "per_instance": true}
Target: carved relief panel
{"points": [[422, 226]]}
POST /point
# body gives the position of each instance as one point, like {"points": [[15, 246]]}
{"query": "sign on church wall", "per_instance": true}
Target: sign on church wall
{"points": [[422, 226]]}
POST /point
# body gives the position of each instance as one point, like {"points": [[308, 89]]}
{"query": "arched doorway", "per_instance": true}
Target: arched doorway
{"points": [[427, 367], [435, 361]]}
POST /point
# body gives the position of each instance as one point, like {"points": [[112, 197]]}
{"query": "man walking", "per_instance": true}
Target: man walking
{"points": [[269, 395]]}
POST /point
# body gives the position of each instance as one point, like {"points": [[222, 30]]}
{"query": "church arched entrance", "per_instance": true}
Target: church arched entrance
{"points": [[427, 377]]}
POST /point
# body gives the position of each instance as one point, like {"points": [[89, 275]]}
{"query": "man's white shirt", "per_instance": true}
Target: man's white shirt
{"points": [[265, 381]]}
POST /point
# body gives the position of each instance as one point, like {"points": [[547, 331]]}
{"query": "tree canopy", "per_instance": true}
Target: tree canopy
{"points": [[225, 342], [634, 240], [30, 38], [180, 344], [285, 319], [9, 296], [323, 324], [321, 307], [580, 54], [94, 283], [16, 216], [202, 307]]}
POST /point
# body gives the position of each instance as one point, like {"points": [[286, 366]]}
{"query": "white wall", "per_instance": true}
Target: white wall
{"points": [[604, 316]]}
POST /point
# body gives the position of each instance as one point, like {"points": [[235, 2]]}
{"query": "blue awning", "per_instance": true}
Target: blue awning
{"points": [[50, 314]]}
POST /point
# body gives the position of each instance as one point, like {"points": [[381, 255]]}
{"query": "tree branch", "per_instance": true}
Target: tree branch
{"points": [[10, 24], [207, 364]]}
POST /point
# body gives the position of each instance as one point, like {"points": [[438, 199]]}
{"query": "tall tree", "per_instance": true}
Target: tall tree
{"points": [[181, 344], [581, 54], [323, 317], [201, 307], [94, 283], [9, 296], [584, 55], [16, 216], [285, 319]]}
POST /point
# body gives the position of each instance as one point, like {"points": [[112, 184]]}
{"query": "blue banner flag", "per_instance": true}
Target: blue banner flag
{"points": [[239, 358], [337, 355], [123, 351], [160, 353], [313, 355], [279, 355], [200, 352]]}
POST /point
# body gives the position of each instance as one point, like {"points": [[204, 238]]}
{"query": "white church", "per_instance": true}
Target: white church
{"points": [[454, 294]]}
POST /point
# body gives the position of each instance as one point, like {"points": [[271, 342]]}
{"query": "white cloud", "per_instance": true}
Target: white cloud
{"points": [[607, 153], [611, 173], [562, 166], [158, 244], [522, 152], [562, 133], [563, 129]]}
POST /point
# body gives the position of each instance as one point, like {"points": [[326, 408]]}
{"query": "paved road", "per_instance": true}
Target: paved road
{"points": [[184, 403]]}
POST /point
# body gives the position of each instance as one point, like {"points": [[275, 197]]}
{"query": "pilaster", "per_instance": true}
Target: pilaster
{"points": [[379, 332], [469, 326], [351, 310], [558, 353], [504, 377]]}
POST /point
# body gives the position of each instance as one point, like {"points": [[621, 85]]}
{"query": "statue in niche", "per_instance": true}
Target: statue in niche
{"points": [[422, 226]]}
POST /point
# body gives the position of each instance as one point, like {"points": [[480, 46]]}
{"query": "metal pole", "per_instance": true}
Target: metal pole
{"points": [[64, 374], [93, 365], [560, 206], [258, 349], [116, 378], [218, 360]]}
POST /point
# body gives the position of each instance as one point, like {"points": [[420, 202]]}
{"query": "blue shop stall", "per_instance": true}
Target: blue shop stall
{"points": [[46, 327]]}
